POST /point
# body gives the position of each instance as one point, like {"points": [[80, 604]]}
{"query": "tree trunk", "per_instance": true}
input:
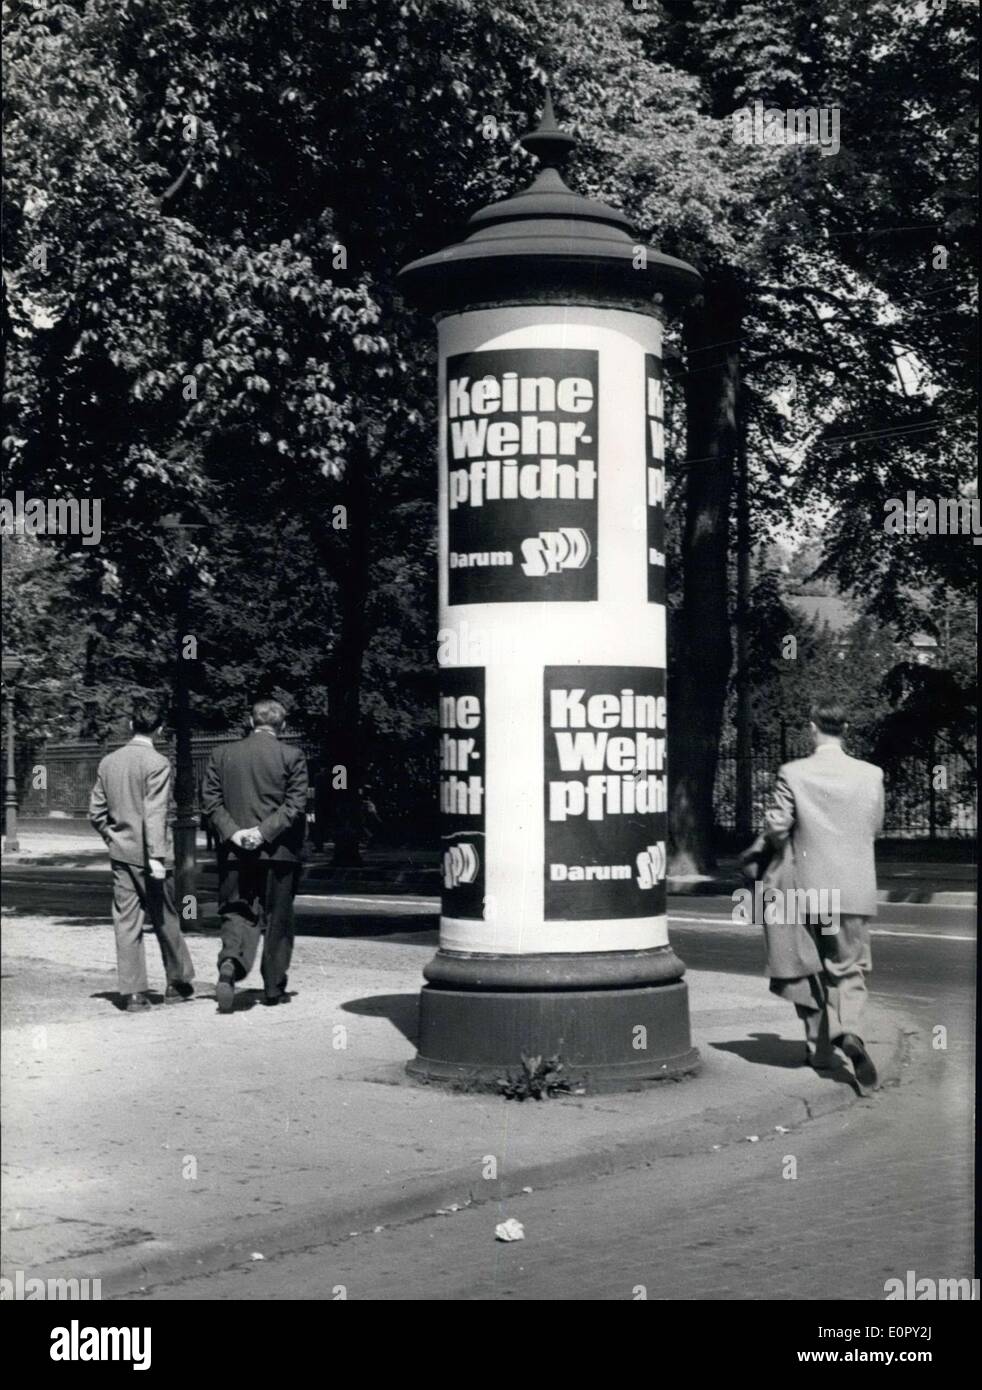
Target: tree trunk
{"points": [[345, 737], [703, 654], [932, 826], [185, 822], [744, 756]]}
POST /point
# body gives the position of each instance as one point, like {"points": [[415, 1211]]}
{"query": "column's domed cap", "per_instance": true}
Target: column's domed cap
{"points": [[547, 240]]}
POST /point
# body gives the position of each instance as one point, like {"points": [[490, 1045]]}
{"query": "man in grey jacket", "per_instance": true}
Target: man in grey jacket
{"points": [[129, 808], [831, 805]]}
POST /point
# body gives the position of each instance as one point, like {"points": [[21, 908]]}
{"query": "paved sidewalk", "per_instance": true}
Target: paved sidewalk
{"points": [[139, 1148]]}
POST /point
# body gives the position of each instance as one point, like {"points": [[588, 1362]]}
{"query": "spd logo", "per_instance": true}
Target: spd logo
{"points": [[460, 865], [651, 865], [552, 551]]}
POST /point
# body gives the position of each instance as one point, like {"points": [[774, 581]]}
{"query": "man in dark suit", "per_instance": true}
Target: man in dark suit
{"points": [[255, 794], [129, 808]]}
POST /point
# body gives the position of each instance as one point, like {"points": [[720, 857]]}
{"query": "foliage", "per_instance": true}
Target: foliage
{"points": [[35, 594], [926, 704], [204, 209], [796, 661], [540, 1078]]}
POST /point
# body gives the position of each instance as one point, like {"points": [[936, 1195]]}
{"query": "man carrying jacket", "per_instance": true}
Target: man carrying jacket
{"points": [[255, 794], [831, 805]]}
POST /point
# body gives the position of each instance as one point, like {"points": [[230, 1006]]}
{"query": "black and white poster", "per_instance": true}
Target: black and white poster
{"points": [[654, 447], [462, 790], [522, 479], [606, 792]]}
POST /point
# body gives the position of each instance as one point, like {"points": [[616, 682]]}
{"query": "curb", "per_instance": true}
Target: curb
{"points": [[930, 911], [886, 897], [135, 1270], [425, 883]]}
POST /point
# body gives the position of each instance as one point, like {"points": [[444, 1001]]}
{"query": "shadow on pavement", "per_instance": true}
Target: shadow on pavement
{"points": [[402, 1010], [119, 1003], [385, 924], [402, 928], [244, 998], [63, 919], [59, 859], [768, 1049], [771, 1050], [113, 997]]}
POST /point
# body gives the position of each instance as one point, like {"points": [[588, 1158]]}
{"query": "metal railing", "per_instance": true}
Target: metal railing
{"points": [[59, 777], [927, 797]]}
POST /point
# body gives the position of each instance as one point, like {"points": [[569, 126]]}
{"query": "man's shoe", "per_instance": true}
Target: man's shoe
{"points": [[272, 999], [178, 991], [136, 1003], [824, 1061], [225, 989], [861, 1061]]}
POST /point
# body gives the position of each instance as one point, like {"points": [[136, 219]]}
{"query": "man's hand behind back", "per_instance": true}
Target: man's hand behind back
{"points": [[247, 839]]}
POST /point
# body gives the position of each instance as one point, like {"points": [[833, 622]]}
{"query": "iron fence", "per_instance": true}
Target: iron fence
{"points": [[929, 797], [56, 780]]}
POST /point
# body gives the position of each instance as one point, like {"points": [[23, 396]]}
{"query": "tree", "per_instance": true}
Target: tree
{"points": [[810, 293], [197, 302]]}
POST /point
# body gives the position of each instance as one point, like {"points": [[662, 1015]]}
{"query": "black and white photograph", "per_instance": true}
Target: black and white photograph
{"points": [[491, 540]]}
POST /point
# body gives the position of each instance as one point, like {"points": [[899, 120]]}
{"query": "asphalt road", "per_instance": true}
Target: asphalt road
{"points": [[830, 1210], [918, 964]]}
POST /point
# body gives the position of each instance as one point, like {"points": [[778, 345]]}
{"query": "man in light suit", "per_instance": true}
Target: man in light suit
{"points": [[129, 808], [831, 805], [255, 794]]}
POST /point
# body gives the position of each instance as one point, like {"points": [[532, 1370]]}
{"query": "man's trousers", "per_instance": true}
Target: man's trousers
{"points": [[255, 896], [136, 897], [846, 961], [832, 1003]]}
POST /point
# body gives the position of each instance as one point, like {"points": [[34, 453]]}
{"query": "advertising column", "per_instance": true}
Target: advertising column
{"points": [[553, 727]]}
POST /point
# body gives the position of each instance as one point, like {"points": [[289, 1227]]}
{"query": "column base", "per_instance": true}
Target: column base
{"points": [[607, 1039]]}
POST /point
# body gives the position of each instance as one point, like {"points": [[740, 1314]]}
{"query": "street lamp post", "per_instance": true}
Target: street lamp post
{"points": [[553, 732], [12, 667]]}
